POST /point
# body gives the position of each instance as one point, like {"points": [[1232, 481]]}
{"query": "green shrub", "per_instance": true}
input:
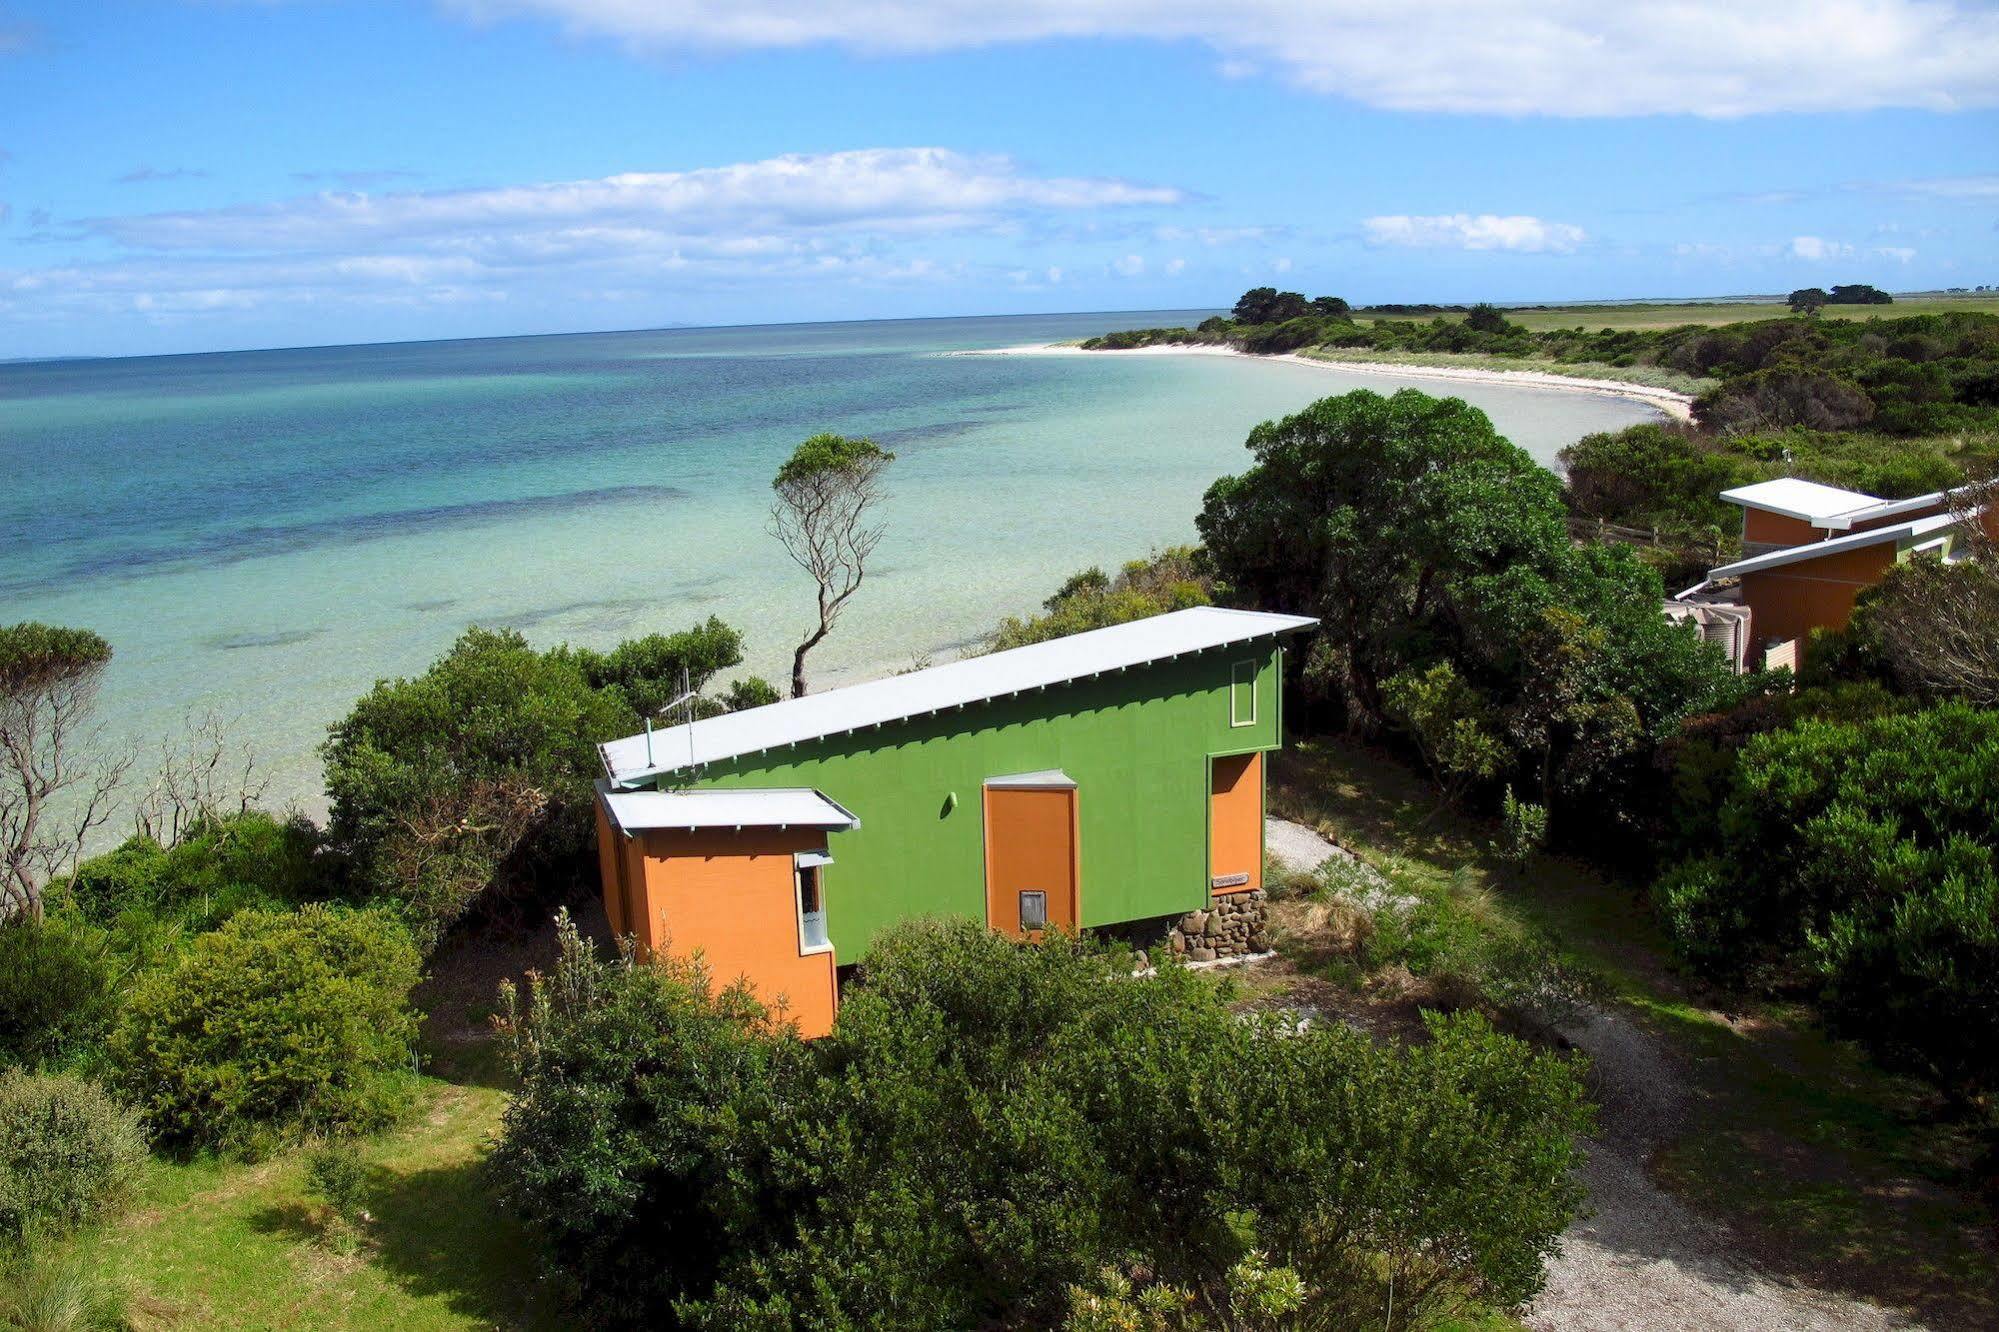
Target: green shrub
{"points": [[992, 1125], [1855, 860], [217, 868], [276, 1024], [1168, 580], [68, 1153], [56, 991], [338, 1177]]}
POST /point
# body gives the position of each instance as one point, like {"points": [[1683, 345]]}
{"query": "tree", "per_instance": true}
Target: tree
{"points": [[1267, 305], [1331, 307], [1390, 519], [826, 494], [1484, 318], [1858, 293], [1806, 300], [52, 794]]}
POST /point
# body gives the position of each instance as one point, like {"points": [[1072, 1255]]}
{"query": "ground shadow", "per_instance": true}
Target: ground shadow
{"points": [[439, 1232]]}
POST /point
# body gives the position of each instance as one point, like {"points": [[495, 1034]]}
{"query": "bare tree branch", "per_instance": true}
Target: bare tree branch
{"points": [[826, 493]]}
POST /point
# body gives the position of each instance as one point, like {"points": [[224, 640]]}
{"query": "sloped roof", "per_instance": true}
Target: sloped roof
{"points": [[773, 807], [1815, 550], [955, 684], [1807, 501]]}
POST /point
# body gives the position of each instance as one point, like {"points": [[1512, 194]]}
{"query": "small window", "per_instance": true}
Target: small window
{"points": [[1034, 911], [808, 889], [1242, 694]]}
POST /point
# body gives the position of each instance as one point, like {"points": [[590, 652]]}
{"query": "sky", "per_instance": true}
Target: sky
{"points": [[188, 175]]}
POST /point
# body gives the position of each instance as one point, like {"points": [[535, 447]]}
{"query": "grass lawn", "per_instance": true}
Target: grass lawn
{"points": [[1831, 1170], [215, 1244], [231, 1245]]}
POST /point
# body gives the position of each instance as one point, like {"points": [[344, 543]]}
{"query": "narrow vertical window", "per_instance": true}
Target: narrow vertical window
{"points": [[1242, 694], [1034, 911]]}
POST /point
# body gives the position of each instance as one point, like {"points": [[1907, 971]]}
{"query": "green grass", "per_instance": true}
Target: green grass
{"points": [[1595, 317], [1832, 1170], [1651, 376], [214, 1244]]}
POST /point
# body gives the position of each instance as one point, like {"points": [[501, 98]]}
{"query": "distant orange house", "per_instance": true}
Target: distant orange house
{"points": [[1809, 551]]}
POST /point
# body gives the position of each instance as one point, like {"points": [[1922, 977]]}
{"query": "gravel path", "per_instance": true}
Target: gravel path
{"points": [[1641, 1261]]}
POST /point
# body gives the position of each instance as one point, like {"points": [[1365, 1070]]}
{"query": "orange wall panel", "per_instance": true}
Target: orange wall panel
{"points": [[732, 898], [1235, 820], [1790, 601], [1776, 529], [608, 871], [1030, 847]]}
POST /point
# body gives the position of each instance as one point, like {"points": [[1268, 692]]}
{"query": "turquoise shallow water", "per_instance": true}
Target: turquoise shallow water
{"points": [[267, 533]]}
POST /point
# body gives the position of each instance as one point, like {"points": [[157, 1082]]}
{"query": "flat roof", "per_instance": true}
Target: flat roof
{"points": [[955, 684], [769, 807], [1806, 501], [1814, 550]]}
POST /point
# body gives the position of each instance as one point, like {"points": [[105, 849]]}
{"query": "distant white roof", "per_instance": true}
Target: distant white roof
{"points": [[1814, 550], [1889, 509], [776, 807], [955, 684], [1806, 501]]}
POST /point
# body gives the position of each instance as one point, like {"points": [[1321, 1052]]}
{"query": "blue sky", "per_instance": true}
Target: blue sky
{"points": [[179, 176]]}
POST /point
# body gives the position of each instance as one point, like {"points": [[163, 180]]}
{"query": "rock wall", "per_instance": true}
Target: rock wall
{"points": [[1235, 925]]}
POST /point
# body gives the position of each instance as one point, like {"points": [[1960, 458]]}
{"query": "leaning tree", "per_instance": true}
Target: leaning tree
{"points": [[52, 789], [827, 492]]}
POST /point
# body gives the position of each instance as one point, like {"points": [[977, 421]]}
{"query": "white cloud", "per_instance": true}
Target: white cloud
{"points": [[1130, 265], [1901, 254], [1174, 267], [1281, 264], [1465, 231], [1506, 57], [879, 188], [914, 215], [1054, 275], [1969, 188], [1817, 248]]}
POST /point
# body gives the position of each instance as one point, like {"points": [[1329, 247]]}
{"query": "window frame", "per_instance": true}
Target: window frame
{"points": [[1236, 669]]}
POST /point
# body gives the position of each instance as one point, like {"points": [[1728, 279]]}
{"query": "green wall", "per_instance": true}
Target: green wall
{"points": [[1137, 744]]}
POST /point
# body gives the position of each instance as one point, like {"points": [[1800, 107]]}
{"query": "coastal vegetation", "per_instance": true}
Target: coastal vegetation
{"points": [[990, 1126], [1006, 1135]]}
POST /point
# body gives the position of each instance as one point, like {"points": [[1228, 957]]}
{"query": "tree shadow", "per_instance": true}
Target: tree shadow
{"points": [[460, 996], [439, 1232]]}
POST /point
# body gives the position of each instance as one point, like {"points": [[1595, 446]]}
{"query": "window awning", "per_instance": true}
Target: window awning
{"points": [[1052, 779], [767, 807]]}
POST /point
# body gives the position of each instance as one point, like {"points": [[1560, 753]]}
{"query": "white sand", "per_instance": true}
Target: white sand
{"points": [[1672, 403]]}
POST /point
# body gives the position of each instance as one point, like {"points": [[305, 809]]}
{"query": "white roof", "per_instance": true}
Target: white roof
{"points": [[955, 684], [774, 807], [1806, 501], [1813, 550], [1890, 508]]}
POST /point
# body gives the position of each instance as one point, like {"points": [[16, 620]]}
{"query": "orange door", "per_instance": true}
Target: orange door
{"points": [[1030, 849], [1235, 824]]}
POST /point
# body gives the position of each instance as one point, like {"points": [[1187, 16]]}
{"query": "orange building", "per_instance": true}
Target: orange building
{"points": [[1811, 550]]}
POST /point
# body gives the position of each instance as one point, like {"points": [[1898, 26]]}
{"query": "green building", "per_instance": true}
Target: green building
{"points": [[1109, 777]]}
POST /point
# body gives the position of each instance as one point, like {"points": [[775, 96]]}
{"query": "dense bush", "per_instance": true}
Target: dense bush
{"points": [[276, 1024], [1170, 580], [57, 980], [1452, 602], [1655, 476], [1855, 859], [468, 788], [217, 867], [68, 1153], [992, 1125]]}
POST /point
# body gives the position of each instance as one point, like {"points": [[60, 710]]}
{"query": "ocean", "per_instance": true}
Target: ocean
{"points": [[265, 534]]}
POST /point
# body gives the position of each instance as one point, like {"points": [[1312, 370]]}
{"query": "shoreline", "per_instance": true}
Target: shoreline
{"points": [[1671, 402]]}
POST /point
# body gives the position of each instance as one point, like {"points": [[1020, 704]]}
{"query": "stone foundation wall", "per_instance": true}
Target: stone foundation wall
{"points": [[1235, 925]]}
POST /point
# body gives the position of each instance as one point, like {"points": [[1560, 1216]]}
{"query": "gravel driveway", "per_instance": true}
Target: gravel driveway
{"points": [[1640, 1261]]}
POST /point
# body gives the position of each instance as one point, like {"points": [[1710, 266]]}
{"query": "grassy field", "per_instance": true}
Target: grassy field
{"points": [[1624, 315], [1830, 1170]]}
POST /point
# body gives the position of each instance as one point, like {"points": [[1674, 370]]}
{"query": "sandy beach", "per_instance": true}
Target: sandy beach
{"points": [[1677, 405]]}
